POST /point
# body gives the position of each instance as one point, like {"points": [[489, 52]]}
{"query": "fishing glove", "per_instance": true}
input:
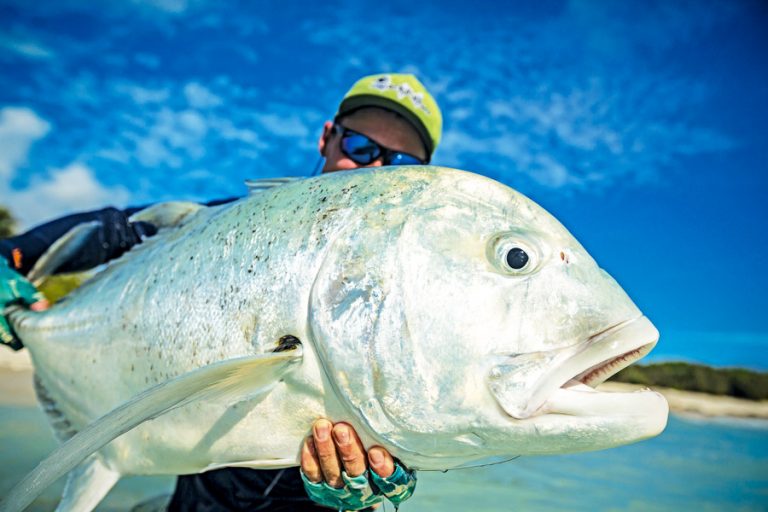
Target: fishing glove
{"points": [[14, 289], [363, 491]]}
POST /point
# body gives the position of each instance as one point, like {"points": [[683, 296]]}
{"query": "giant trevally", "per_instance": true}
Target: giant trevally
{"points": [[444, 315]]}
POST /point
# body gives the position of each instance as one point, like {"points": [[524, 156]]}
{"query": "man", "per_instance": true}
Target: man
{"points": [[386, 119]]}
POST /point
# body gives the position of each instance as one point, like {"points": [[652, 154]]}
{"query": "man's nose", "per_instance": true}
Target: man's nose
{"points": [[379, 162]]}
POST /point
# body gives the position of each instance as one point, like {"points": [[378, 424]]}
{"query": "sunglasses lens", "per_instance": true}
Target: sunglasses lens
{"points": [[403, 159], [360, 148]]}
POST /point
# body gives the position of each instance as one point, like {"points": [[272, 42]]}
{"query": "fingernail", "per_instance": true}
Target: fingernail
{"points": [[322, 431], [375, 457], [341, 434]]}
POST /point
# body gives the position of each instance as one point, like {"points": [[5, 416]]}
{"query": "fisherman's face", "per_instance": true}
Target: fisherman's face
{"points": [[382, 126]]}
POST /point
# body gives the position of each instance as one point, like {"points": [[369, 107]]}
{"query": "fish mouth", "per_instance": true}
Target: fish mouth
{"points": [[557, 382], [605, 354]]}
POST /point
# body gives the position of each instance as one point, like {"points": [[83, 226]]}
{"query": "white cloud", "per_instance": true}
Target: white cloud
{"points": [[168, 6], [284, 125], [61, 191], [227, 130], [143, 95], [27, 48], [549, 172], [73, 188], [200, 97], [174, 135], [19, 129]]}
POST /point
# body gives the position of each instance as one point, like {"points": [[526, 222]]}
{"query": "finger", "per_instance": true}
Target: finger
{"points": [[381, 461], [310, 464], [326, 453], [350, 449], [40, 305]]}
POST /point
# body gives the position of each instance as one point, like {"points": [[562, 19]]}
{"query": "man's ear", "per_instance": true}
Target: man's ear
{"points": [[326, 135]]}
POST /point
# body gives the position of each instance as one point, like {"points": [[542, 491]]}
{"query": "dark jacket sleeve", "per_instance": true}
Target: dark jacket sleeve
{"points": [[243, 489], [114, 236]]}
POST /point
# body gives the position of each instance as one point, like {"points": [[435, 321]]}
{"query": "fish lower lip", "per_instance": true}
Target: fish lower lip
{"points": [[582, 400]]}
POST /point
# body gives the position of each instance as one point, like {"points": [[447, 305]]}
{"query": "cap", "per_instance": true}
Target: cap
{"points": [[400, 93]]}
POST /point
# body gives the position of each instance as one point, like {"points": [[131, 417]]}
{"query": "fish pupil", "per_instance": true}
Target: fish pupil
{"points": [[517, 258]]}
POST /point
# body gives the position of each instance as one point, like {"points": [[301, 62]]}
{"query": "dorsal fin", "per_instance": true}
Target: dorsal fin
{"points": [[262, 184], [166, 215]]}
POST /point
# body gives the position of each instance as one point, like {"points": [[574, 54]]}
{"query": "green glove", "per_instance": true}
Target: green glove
{"points": [[363, 491], [14, 289]]}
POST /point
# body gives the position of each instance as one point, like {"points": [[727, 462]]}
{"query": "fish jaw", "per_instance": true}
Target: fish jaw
{"points": [[567, 390]]}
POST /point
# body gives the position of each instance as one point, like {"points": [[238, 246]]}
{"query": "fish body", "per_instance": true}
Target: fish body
{"points": [[444, 315]]}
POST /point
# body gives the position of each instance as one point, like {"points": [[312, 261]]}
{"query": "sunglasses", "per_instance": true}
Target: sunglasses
{"points": [[362, 150]]}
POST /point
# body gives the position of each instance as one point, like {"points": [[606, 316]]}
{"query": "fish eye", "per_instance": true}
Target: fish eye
{"points": [[517, 258], [513, 254]]}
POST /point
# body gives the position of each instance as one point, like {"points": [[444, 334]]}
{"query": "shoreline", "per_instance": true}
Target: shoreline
{"points": [[17, 389]]}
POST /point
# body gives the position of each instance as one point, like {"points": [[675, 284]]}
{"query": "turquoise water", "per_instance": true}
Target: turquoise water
{"points": [[25, 439], [697, 465]]}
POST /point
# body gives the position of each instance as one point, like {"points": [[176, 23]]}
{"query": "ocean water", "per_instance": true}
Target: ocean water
{"points": [[696, 464]]}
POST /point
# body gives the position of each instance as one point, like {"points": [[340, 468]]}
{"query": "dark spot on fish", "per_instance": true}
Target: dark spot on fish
{"points": [[287, 342]]}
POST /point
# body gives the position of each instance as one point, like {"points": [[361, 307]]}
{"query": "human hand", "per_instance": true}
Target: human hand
{"points": [[14, 289], [334, 469]]}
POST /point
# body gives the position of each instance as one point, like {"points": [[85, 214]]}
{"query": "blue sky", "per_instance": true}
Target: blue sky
{"points": [[641, 126]]}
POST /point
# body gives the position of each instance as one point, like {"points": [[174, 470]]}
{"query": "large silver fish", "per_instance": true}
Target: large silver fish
{"points": [[445, 316]]}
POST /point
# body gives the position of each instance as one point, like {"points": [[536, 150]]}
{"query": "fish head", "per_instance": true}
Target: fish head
{"points": [[464, 321]]}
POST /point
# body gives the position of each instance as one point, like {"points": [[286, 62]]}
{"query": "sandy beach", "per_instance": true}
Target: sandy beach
{"points": [[16, 388]]}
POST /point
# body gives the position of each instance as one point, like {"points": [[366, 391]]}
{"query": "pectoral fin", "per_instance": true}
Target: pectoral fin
{"points": [[61, 251], [223, 380]]}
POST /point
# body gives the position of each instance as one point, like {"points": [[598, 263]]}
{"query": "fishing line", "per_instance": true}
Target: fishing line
{"points": [[318, 166], [472, 467]]}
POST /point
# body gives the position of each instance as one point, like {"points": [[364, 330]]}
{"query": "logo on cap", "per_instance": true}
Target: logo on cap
{"points": [[403, 90]]}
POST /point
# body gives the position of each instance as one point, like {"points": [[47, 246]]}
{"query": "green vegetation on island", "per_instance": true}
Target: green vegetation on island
{"points": [[7, 222], [736, 382]]}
